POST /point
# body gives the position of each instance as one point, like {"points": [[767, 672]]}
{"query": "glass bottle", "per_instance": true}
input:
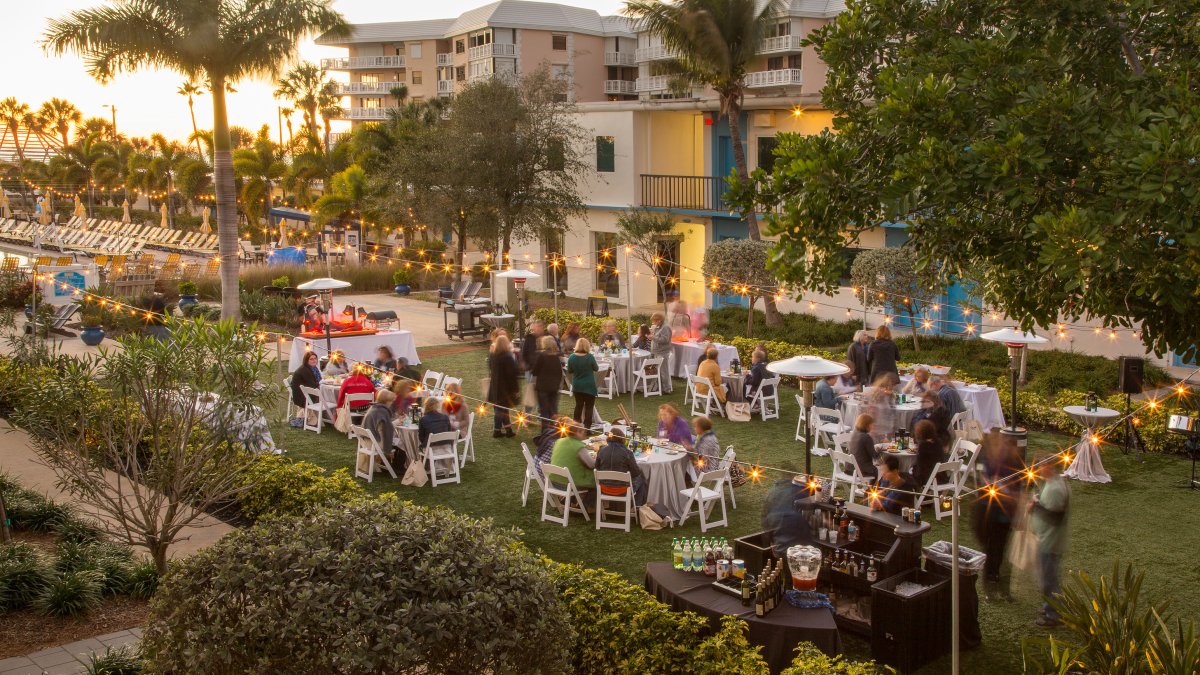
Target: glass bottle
{"points": [[852, 532], [872, 571], [676, 554], [760, 606], [746, 590], [710, 562]]}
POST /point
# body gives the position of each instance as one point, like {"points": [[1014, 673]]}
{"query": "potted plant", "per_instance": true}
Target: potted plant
{"points": [[90, 318], [277, 286], [401, 279], [187, 296]]}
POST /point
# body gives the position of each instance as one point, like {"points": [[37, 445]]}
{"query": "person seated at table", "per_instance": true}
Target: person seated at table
{"points": [[949, 395], [758, 373], [433, 420], [643, 340], [610, 335], [929, 452], [847, 382], [710, 370], [862, 446], [570, 337], [378, 422], [572, 454], [385, 360], [455, 407], [893, 489], [672, 427], [704, 354], [337, 365], [919, 383], [357, 383], [825, 397], [708, 450], [404, 391], [934, 412], [406, 371], [616, 456], [881, 406], [307, 375]]}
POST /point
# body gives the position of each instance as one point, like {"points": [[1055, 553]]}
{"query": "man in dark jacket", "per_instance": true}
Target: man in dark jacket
{"points": [[378, 422], [616, 456], [530, 346]]}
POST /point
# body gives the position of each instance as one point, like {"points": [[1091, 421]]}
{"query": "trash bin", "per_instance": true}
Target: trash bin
{"points": [[970, 563], [910, 630]]}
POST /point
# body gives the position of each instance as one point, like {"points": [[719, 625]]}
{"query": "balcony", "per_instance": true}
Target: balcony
{"points": [[376, 114], [619, 59], [445, 59], [699, 193], [493, 50], [653, 83], [346, 88], [780, 44], [787, 77], [620, 87], [445, 87], [357, 62], [654, 53]]}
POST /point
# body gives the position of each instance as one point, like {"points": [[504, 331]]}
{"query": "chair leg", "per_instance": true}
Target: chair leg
{"points": [[525, 490], [732, 498]]}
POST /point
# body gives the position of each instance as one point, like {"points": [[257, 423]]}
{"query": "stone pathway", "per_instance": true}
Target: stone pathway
{"points": [[69, 658]]}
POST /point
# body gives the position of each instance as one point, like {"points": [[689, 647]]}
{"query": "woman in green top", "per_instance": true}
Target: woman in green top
{"points": [[572, 454], [582, 367]]}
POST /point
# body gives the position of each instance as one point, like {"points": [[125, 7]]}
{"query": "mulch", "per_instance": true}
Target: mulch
{"points": [[27, 630]]}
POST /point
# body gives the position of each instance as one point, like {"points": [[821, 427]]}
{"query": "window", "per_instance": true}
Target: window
{"points": [[416, 77], [607, 279], [775, 63], [552, 245], [414, 51], [372, 103], [372, 79], [766, 152], [556, 155], [780, 29], [460, 46], [479, 39], [848, 255], [794, 61], [460, 73], [558, 43], [606, 154], [399, 51]]}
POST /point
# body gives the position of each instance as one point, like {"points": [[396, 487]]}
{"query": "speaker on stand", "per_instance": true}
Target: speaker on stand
{"points": [[1130, 380]]}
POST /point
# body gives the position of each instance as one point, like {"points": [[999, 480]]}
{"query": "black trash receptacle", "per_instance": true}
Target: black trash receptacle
{"points": [[970, 564], [909, 631]]}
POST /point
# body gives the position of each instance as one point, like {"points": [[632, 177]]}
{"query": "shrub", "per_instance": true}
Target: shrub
{"points": [[113, 562], [281, 282], [187, 287], [401, 276], [812, 661], [77, 531], [277, 486], [271, 309], [35, 513], [377, 586], [25, 573], [120, 661], [590, 327], [71, 593], [142, 581]]}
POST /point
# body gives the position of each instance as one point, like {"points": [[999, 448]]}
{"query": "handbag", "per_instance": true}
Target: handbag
{"points": [[649, 519], [974, 431], [737, 475], [1023, 550], [737, 411], [529, 396], [415, 475], [341, 421]]}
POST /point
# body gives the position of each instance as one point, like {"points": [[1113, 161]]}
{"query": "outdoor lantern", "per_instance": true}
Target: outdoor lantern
{"points": [[519, 277], [325, 287], [810, 370], [1016, 340]]}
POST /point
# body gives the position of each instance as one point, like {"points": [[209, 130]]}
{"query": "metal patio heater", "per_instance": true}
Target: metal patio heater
{"points": [[1016, 340], [519, 277], [810, 370]]}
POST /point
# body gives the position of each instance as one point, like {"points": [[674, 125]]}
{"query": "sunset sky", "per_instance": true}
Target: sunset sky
{"points": [[146, 101]]}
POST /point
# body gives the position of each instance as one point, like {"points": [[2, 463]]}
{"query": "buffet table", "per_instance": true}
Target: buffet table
{"points": [[778, 632], [358, 348]]}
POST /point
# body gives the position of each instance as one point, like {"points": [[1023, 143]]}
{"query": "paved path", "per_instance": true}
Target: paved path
{"points": [[69, 658]]}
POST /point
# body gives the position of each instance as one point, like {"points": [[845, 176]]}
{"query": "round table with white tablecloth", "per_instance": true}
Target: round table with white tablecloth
{"points": [[906, 458], [735, 384], [358, 347], [688, 353], [984, 400], [664, 468], [1087, 465], [901, 414], [621, 366]]}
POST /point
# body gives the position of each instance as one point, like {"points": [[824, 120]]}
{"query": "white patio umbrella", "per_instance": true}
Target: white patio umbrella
{"points": [[125, 217], [3, 204], [519, 278], [165, 224], [283, 240], [809, 369], [205, 228]]}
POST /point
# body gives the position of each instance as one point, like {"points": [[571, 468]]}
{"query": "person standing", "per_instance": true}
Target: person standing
{"points": [[994, 512], [882, 356], [1048, 520], [547, 380], [530, 346], [582, 367], [504, 390], [856, 355], [660, 347]]}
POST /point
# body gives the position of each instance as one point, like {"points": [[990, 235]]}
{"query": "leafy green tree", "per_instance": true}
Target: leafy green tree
{"points": [[303, 85], [1053, 142], [893, 270], [87, 161], [740, 265], [221, 41], [643, 230], [347, 196], [190, 90], [260, 167]]}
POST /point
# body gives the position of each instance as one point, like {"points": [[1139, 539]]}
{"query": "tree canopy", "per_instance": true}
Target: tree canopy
{"points": [[1051, 144], [741, 264], [894, 269]]}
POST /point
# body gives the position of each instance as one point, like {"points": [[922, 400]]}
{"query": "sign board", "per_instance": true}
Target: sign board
{"points": [[63, 282]]}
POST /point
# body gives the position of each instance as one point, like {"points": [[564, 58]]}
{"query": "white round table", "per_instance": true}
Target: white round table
{"points": [[1087, 465], [888, 420], [664, 472], [907, 459], [498, 320]]}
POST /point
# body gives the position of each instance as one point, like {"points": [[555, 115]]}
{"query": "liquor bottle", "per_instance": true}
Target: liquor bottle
{"points": [[844, 524], [852, 532], [827, 562], [747, 590], [872, 571], [760, 603], [852, 567], [676, 554]]}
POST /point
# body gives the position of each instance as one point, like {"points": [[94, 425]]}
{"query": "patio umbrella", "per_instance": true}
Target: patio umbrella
{"points": [[205, 228], [325, 286], [44, 216], [3, 204], [79, 210], [283, 242], [125, 217], [809, 369], [163, 210]]}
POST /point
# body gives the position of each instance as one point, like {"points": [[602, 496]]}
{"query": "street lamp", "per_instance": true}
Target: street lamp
{"points": [[519, 278], [325, 287], [810, 370], [114, 119], [1016, 340]]}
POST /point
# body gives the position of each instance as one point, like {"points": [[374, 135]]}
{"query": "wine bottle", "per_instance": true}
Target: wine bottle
{"points": [[746, 590], [760, 605]]}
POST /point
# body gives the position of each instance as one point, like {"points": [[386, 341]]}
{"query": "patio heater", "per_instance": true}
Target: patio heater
{"points": [[810, 370], [325, 286], [519, 277], [1016, 340]]}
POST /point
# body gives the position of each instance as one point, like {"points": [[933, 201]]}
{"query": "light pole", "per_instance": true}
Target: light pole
{"points": [[1016, 340], [114, 119], [809, 369]]}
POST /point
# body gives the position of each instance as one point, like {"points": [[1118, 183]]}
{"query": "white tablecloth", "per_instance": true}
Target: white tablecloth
{"points": [[688, 353], [248, 427], [985, 399], [907, 459], [900, 415], [1087, 465], [664, 474], [358, 347], [620, 364]]}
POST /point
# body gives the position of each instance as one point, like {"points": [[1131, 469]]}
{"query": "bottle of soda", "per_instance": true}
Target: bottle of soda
{"points": [[676, 554], [710, 562], [686, 555]]}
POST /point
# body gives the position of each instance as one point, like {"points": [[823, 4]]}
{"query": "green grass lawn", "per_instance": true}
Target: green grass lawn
{"points": [[1138, 518]]}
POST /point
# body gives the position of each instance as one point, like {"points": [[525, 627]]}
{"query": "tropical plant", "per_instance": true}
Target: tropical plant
{"points": [[260, 167], [303, 85], [891, 277], [86, 162], [190, 90], [740, 266], [347, 196], [221, 41], [71, 593], [329, 104], [119, 661], [25, 573], [60, 115]]}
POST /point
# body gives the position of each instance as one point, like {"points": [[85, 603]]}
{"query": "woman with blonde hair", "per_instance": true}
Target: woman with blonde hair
{"points": [[504, 389], [582, 368]]}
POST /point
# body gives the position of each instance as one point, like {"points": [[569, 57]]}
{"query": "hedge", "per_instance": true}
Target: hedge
{"points": [[278, 486], [590, 327]]}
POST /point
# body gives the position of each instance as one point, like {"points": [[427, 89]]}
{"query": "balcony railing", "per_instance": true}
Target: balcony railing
{"points": [[445, 87], [780, 44], [619, 59], [654, 53], [700, 193], [356, 62], [774, 78], [367, 87], [494, 49], [366, 114], [653, 83], [620, 87], [445, 59]]}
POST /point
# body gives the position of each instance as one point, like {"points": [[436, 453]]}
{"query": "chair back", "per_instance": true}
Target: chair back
{"points": [[818, 412], [366, 440], [717, 477], [965, 451], [555, 471], [729, 458], [432, 379], [845, 464], [448, 380], [653, 361], [952, 468], [441, 438], [614, 477], [310, 394], [842, 441], [359, 400]]}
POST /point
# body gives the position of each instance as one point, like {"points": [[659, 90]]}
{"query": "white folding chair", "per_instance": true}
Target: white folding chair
{"points": [[726, 462], [560, 493], [967, 453], [705, 498], [368, 445], [442, 448], [432, 380], [625, 499], [824, 430], [606, 381], [845, 468], [448, 380], [651, 384], [690, 370], [313, 403], [358, 404], [531, 474], [800, 421], [466, 442], [566, 388], [703, 404], [934, 488], [766, 404]]}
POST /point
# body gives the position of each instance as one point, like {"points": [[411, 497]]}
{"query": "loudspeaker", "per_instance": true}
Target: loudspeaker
{"points": [[1133, 371]]}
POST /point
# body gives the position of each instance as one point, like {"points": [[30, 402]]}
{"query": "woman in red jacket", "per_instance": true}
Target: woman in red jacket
{"points": [[358, 383]]}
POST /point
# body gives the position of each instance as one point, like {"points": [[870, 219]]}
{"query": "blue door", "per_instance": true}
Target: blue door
{"points": [[724, 166], [954, 317], [729, 228]]}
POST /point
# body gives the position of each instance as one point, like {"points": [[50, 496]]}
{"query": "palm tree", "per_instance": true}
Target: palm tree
{"points": [[92, 125], [165, 163], [86, 162], [302, 85], [261, 167], [60, 115], [221, 41], [13, 114], [329, 102], [190, 90], [287, 119], [347, 195]]}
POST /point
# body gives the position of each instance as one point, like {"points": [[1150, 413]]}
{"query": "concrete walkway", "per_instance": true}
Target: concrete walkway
{"points": [[70, 658]]}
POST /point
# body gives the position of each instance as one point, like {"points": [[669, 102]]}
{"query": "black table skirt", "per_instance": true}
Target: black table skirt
{"points": [[778, 632]]}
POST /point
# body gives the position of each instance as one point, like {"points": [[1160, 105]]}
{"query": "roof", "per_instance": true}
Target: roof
{"points": [[821, 9], [532, 15], [391, 31]]}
